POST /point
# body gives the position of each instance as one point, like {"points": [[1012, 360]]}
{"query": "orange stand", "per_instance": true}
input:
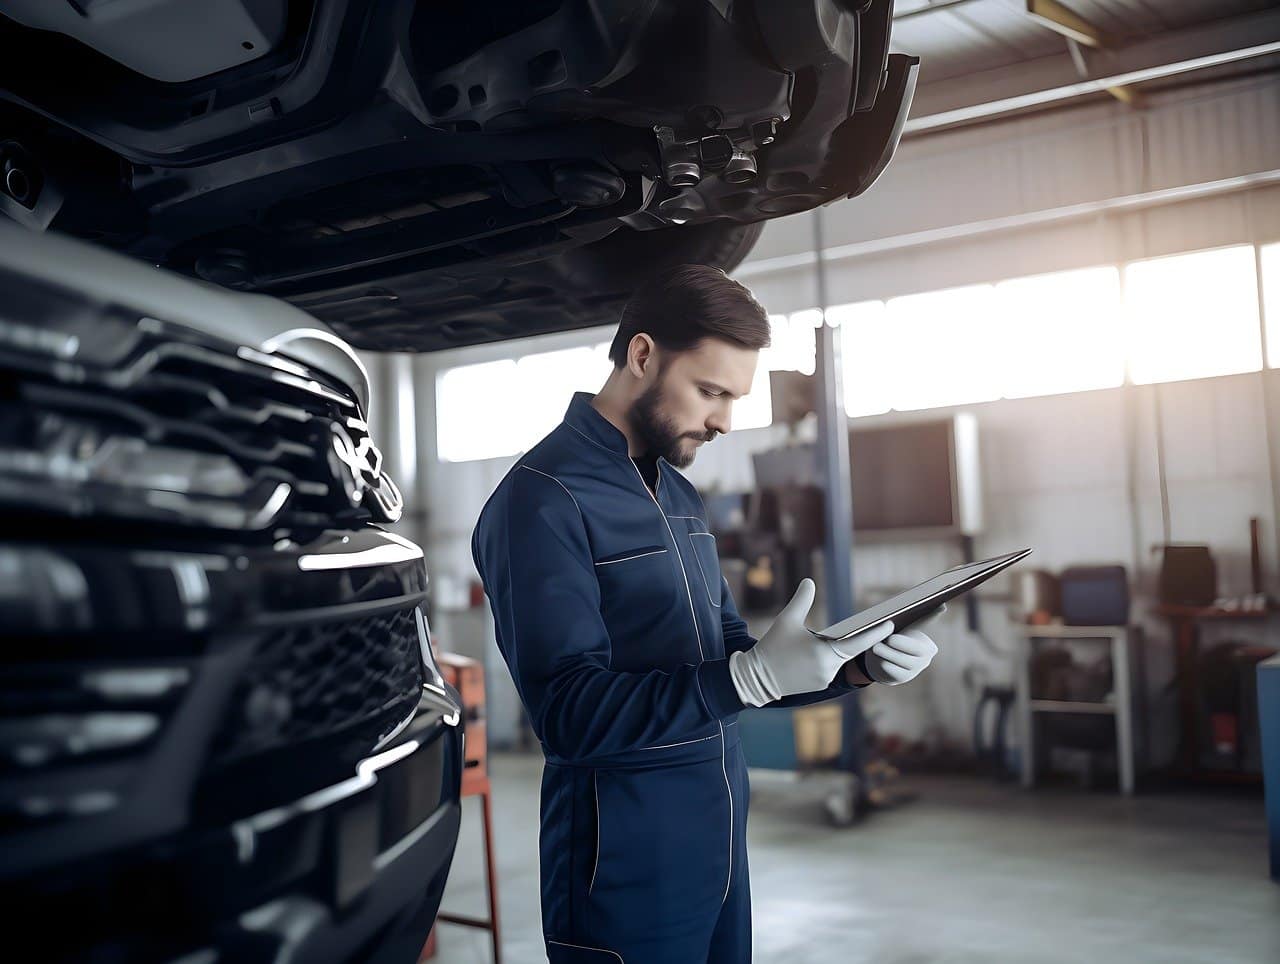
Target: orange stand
{"points": [[467, 677]]}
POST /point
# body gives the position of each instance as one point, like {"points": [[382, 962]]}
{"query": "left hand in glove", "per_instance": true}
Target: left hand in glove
{"points": [[901, 657]]}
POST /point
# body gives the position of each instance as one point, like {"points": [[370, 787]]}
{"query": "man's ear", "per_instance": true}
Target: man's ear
{"points": [[640, 354]]}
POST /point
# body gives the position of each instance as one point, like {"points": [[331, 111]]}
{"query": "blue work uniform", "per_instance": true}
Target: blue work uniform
{"points": [[616, 623]]}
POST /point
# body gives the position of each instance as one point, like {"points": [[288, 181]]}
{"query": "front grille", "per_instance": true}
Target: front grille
{"points": [[70, 732], [313, 681], [108, 414]]}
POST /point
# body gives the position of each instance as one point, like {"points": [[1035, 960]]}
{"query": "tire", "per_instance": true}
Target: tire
{"points": [[618, 263]]}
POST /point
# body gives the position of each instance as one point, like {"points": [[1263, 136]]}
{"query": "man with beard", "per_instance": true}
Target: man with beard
{"points": [[628, 651]]}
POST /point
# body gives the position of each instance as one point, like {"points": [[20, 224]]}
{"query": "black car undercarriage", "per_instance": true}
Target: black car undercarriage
{"points": [[426, 176]]}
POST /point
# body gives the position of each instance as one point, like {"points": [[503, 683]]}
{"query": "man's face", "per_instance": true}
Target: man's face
{"points": [[690, 398]]}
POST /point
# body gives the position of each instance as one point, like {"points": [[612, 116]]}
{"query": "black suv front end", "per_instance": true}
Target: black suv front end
{"points": [[223, 734]]}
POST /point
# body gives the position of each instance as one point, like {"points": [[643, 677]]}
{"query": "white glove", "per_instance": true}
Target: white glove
{"points": [[903, 656], [789, 659]]}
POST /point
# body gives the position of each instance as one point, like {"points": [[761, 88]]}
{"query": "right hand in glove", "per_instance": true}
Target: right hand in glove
{"points": [[903, 656], [789, 659]]}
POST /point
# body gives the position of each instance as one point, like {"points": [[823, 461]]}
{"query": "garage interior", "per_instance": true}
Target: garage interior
{"points": [[1065, 292], [289, 288]]}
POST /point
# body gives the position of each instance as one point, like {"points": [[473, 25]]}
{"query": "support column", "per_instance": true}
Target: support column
{"points": [[833, 451]]}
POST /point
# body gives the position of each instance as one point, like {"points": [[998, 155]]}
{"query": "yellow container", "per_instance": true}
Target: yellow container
{"points": [[817, 732]]}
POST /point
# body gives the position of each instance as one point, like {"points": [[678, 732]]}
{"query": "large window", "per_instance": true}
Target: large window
{"points": [[1061, 333], [755, 409], [949, 345], [867, 342], [1192, 315], [474, 417], [545, 383], [1183, 316], [791, 348], [502, 408], [1271, 301], [794, 342], [1186, 316], [1040, 335]]}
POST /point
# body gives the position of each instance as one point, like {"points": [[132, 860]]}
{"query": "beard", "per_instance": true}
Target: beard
{"points": [[659, 431]]}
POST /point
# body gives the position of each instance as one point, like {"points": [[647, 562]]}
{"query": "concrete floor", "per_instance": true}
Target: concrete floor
{"points": [[973, 871]]}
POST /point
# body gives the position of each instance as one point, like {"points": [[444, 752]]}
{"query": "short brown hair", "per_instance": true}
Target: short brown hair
{"points": [[681, 307]]}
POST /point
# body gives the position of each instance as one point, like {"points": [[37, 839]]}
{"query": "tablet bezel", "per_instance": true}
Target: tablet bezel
{"points": [[926, 604]]}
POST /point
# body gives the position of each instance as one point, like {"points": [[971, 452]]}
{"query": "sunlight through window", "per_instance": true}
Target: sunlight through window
{"points": [[1271, 300], [1183, 316], [950, 348], [869, 355], [473, 412], [755, 409], [1192, 315], [795, 343], [544, 385], [1062, 333]]}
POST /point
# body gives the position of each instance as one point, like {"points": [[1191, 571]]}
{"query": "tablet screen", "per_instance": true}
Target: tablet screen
{"points": [[944, 585]]}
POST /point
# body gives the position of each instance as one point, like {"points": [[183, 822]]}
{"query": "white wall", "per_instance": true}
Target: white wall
{"points": [[1075, 476], [1045, 193]]}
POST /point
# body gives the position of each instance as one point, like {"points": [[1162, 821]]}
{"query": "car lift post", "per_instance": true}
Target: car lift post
{"points": [[834, 470], [833, 449]]}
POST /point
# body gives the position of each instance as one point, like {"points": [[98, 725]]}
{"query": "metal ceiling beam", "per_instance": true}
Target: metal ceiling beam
{"points": [[934, 7], [1129, 96], [1061, 20], [1079, 32], [1051, 80]]}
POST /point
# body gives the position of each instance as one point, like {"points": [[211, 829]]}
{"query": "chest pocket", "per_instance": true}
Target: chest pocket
{"points": [[703, 546], [629, 555], [637, 591]]}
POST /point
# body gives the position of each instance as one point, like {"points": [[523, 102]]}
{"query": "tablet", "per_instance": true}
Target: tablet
{"points": [[919, 601]]}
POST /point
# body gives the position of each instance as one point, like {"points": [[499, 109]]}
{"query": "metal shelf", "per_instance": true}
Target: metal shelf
{"points": [[1121, 706], [1059, 631]]}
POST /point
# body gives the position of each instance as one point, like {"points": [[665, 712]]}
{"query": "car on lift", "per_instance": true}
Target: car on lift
{"points": [[429, 175], [224, 735]]}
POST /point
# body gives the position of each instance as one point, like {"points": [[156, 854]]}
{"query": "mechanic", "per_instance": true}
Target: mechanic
{"points": [[628, 651]]}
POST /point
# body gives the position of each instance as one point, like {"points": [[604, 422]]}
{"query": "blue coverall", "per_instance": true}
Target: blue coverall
{"points": [[616, 623]]}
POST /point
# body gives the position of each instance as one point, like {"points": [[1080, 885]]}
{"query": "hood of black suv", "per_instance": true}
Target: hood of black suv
{"points": [[137, 396]]}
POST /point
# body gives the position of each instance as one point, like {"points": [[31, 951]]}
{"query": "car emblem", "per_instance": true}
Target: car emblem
{"points": [[358, 468]]}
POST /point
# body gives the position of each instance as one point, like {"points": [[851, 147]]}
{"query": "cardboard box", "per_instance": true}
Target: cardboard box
{"points": [[817, 732]]}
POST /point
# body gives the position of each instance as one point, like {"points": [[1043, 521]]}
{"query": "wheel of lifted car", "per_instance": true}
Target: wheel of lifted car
{"points": [[620, 261]]}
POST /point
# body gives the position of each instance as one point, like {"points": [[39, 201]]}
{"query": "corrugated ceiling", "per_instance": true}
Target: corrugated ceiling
{"points": [[973, 35]]}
